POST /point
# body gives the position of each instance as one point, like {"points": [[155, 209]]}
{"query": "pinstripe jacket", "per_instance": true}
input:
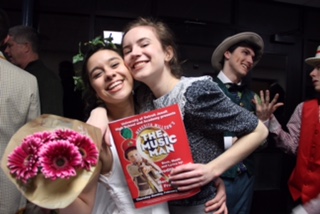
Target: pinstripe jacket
{"points": [[19, 103]]}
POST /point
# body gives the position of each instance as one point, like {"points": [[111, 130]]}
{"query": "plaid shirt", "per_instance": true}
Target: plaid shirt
{"points": [[289, 142]]}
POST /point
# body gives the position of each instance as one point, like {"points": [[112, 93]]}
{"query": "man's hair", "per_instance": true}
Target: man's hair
{"points": [[4, 25], [247, 44], [24, 34]]}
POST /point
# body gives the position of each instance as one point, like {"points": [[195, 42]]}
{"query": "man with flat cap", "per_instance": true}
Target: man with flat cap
{"points": [[234, 58]]}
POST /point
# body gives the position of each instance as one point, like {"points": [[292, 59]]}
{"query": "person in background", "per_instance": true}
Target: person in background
{"points": [[302, 140], [19, 101], [150, 53], [234, 58], [23, 50], [73, 105]]}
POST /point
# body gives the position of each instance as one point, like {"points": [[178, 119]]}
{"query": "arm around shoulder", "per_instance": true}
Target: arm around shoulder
{"points": [[98, 118]]}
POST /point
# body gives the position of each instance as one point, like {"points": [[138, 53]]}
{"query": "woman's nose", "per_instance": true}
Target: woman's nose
{"points": [[135, 51], [110, 74]]}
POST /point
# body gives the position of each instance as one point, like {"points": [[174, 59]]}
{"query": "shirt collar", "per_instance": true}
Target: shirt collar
{"points": [[224, 79]]}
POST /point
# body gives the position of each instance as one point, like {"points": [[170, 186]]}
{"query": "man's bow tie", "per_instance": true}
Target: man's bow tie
{"points": [[232, 87]]}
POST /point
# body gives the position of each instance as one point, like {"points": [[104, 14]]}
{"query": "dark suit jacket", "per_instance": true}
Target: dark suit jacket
{"points": [[50, 88]]}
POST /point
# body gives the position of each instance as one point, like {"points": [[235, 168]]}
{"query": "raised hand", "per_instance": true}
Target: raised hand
{"points": [[265, 108]]}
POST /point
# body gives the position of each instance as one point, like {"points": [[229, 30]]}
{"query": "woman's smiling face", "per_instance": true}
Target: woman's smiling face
{"points": [[109, 76], [143, 53]]}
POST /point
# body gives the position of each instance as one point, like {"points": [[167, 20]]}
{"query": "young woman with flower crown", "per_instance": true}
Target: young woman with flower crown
{"points": [[150, 53], [109, 87]]}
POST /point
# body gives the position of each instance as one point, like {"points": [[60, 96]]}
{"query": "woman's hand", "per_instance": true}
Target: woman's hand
{"points": [[218, 204], [190, 176]]}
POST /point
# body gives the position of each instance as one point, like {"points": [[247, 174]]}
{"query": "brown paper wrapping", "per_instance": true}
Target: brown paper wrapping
{"points": [[45, 192]]}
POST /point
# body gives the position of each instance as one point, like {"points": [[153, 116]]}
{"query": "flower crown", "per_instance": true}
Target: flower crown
{"points": [[84, 49]]}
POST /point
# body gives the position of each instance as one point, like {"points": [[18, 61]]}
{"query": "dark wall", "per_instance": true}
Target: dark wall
{"points": [[290, 33]]}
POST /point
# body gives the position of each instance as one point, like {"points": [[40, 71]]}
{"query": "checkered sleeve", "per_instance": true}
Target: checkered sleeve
{"points": [[288, 141]]}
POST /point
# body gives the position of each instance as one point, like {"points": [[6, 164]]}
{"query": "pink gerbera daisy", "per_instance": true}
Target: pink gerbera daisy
{"points": [[88, 150], [23, 161], [59, 159], [66, 134], [44, 137]]}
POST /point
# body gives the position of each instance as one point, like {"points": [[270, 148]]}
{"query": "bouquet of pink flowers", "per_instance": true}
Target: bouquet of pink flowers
{"points": [[55, 154], [51, 159]]}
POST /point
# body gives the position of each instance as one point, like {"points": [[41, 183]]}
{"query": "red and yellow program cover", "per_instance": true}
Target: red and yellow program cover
{"points": [[149, 146]]}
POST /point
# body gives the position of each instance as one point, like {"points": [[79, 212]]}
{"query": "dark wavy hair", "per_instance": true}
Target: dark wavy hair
{"points": [[247, 44], [89, 95]]}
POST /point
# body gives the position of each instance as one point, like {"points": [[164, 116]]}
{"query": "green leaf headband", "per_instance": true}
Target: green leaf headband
{"points": [[85, 47]]}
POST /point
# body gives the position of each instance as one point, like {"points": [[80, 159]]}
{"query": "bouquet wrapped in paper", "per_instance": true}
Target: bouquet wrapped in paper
{"points": [[51, 159]]}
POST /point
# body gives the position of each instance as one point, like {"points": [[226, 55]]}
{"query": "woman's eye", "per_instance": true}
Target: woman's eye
{"points": [[144, 44], [115, 65], [97, 74], [126, 51]]}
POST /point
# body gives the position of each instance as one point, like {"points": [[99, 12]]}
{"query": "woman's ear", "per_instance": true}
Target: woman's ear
{"points": [[168, 54]]}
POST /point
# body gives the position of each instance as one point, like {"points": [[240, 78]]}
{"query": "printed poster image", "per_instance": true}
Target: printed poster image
{"points": [[149, 146]]}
